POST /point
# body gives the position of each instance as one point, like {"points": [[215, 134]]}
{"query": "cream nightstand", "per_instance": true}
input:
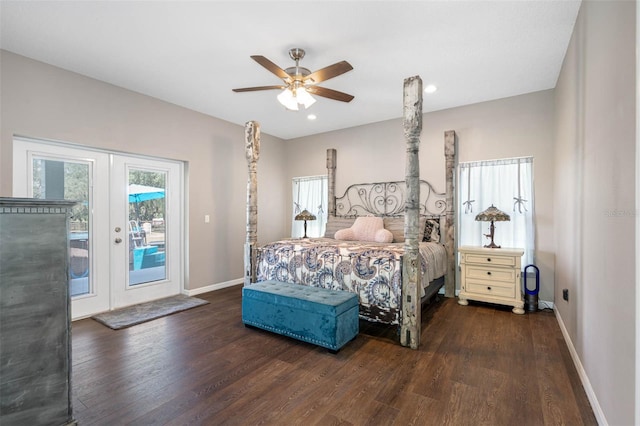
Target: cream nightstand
{"points": [[491, 275]]}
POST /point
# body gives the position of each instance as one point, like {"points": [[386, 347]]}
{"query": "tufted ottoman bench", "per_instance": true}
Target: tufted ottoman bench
{"points": [[323, 317]]}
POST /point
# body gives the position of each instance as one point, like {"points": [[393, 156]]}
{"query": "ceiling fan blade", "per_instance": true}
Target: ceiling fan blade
{"points": [[253, 89], [271, 67], [329, 93], [329, 72]]}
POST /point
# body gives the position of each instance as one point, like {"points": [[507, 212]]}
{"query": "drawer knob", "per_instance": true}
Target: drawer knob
{"points": [[488, 272], [488, 288], [488, 259]]}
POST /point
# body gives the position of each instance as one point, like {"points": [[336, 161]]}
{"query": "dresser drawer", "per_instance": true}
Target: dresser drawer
{"points": [[489, 288], [493, 274], [489, 259]]}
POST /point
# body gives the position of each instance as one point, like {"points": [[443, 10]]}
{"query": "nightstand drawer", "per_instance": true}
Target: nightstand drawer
{"points": [[493, 274], [489, 288], [490, 259]]}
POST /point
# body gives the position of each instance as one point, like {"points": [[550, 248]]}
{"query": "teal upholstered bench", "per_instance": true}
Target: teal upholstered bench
{"points": [[323, 317]]}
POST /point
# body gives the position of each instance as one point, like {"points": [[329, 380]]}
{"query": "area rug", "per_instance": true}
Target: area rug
{"points": [[137, 314]]}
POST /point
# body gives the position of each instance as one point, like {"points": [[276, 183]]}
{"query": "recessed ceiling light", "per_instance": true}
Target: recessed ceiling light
{"points": [[430, 88], [311, 117]]}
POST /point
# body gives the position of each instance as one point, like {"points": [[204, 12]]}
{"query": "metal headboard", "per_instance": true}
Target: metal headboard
{"points": [[388, 199]]}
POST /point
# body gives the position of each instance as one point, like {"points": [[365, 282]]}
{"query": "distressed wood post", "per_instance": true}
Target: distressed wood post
{"points": [[331, 181], [411, 270], [252, 152], [449, 232]]}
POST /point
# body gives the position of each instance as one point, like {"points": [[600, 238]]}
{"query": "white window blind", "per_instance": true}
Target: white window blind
{"points": [[508, 185], [310, 193]]}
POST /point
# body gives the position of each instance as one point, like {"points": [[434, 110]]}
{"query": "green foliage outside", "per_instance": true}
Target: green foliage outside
{"points": [[74, 177], [145, 211]]}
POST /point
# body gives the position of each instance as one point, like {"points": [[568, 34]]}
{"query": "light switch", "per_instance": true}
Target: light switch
{"points": [[206, 218]]}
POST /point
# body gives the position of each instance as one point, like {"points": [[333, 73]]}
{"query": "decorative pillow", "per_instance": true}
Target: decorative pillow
{"points": [[432, 230], [335, 223], [383, 236], [345, 235], [396, 226], [367, 228]]}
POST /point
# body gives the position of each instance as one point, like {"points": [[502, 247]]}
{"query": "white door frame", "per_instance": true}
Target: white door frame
{"points": [[25, 148], [122, 293]]}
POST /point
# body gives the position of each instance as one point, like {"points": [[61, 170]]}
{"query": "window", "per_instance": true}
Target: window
{"points": [[310, 193], [508, 185]]}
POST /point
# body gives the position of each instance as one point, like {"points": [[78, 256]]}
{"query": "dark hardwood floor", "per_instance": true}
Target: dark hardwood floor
{"points": [[478, 364]]}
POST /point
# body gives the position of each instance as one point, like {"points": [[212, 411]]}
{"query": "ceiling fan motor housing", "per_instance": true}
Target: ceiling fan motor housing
{"points": [[297, 72]]}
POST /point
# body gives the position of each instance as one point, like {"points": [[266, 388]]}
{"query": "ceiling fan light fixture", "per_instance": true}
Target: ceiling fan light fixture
{"points": [[291, 100], [287, 99], [303, 97]]}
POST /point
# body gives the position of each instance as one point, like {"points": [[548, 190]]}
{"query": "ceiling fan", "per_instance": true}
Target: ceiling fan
{"points": [[300, 83]]}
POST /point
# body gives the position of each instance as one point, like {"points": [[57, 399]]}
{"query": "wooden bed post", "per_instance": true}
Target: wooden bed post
{"points": [[411, 308], [252, 152], [450, 156], [331, 172]]}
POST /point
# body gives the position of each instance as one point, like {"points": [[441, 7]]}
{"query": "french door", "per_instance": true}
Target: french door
{"points": [[145, 229], [126, 230]]}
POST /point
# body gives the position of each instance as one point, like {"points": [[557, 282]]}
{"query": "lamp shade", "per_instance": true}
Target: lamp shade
{"points": [[493, 214], [303, 97], [305, 215], [287, 99], [292, 97]]}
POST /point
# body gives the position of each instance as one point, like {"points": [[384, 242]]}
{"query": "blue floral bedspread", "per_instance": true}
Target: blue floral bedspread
{"points": [[371, 270]]}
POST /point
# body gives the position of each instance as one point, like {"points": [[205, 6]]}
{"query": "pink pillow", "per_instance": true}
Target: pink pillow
{"points": [[384, 236], [344, 234], [366, 228]]}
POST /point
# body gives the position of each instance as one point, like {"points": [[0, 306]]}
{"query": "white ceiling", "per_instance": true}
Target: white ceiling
{"points": [[193, 53]]}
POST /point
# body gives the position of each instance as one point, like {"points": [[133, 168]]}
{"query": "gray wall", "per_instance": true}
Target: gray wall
{"points": [[512, 127], [42, 101], [595, 199]]}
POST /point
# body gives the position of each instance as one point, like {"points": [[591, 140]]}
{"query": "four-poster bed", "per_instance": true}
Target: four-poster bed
{"points": [[392, 280]]}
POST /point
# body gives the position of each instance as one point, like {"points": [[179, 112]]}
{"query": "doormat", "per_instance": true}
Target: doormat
{"points": [[137, 314]]}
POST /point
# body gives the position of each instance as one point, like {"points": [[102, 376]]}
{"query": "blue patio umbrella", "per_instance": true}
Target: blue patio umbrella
{"points": [[140, 193]]}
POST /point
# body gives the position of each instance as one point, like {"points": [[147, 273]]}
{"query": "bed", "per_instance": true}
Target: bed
{"points": [[372, 270], [392, 280]]}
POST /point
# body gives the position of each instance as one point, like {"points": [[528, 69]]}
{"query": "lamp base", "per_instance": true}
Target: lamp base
{"points": [[490, 235]]}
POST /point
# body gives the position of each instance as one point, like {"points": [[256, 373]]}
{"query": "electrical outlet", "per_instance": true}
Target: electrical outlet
{"points": [[565, 294]]}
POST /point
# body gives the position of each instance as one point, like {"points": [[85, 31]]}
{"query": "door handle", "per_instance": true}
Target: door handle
{"points": [[118, 240]]}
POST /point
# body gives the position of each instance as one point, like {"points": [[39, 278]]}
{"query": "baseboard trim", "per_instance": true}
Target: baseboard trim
{"points": [[595, 405], [544, 304], [213, 287]]}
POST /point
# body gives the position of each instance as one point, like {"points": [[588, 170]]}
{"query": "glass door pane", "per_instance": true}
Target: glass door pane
{"points": [[69, 180], [146, 226]]}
